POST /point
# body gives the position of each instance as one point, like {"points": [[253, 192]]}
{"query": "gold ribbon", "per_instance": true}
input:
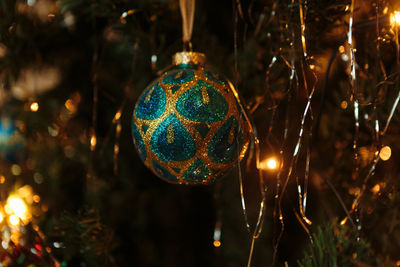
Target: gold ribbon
{"points": [[187, 11]]}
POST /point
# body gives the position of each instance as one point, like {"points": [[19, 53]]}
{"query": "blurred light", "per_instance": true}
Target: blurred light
{"points": [[31, 2], [13, 220], [153, 59], [126, 13], [53, 131], [385, 153], [45, 208], [2, 179], [70, 105], [268, 164], [38, 178], [36, 198], [217, 243], [344, 57], [343, 105], [117, 115], [385, 10], [1, 217], [343, 222], [34, 106], [16, 169], [3, 50], [17, 206], [69, 20], [376, 189], [93, 142], [395, 18]]}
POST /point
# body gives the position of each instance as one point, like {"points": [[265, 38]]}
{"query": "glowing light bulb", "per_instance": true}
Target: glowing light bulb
{"points": [[268, 164], [217, 243], [385, 153], [34, 106], [395, 18]]}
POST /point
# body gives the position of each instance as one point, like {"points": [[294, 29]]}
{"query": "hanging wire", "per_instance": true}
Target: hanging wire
{"points": [[293, 83], [255, 233], [92, 131], [305, 61]]}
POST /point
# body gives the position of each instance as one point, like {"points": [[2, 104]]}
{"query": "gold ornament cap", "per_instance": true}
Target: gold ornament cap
{"points": [[190, 58]]}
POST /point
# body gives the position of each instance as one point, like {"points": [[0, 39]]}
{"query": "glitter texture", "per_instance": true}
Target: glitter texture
{"points": [[151, 104], [179, 76], [163, 173], [197, 172], [223, 147], [172, 142], [186, 126], [196, 105], [138, 141]]}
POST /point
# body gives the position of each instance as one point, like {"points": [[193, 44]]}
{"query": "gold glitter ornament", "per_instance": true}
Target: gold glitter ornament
{"points": [[188, 126]]}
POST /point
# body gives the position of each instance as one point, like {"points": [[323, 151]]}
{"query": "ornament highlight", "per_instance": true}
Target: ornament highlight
{"points": [[188, 126]]}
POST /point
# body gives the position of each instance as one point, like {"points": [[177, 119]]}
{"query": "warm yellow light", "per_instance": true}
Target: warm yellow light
{"points": [[17, 206], [395, 18], [36, 198], [376, 189], [117, 115], [70, 105], [343, 105], [217, 243], [2, 179], [385, 153], [268, 164], [93, 142], [13, 220], [34, 106], [1, 217]]}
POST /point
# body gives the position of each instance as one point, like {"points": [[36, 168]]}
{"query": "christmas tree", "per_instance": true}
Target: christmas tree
{"points": [[273, 132]]}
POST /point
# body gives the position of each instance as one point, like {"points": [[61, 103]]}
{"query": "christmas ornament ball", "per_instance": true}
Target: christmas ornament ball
{"points": [[188, 126]]}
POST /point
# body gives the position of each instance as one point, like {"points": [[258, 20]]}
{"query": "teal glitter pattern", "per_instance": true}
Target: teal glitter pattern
{"points": [[151, 104], [138, 141], [197, 172], [172, 142], [179, 76], [192, 105], [214, 77], [220, 149], [162, 172]]}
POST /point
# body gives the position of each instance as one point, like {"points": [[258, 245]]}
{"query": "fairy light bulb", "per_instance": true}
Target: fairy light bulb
{"points": [[269, 164]]}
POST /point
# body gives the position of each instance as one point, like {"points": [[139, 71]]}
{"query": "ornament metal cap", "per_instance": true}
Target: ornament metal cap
{"points": [[190, 58]]}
